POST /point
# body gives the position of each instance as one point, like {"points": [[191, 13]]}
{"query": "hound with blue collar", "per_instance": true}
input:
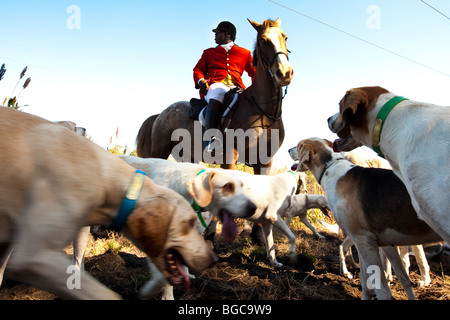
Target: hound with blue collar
{"points": [[48, 192]]}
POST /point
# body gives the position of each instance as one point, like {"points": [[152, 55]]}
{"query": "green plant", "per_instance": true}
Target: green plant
{"points": [[112, 243]]}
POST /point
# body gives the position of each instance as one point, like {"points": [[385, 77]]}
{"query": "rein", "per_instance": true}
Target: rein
{"points": [[264, 113]]}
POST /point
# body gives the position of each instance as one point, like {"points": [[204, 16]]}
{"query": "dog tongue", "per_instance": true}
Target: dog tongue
{"points": [[229, 227], [182, 271]]}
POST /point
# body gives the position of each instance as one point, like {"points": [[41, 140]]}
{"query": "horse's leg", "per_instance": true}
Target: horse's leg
{"points": [[230, 159], [144, 137], [263, 169], [162, 152]]}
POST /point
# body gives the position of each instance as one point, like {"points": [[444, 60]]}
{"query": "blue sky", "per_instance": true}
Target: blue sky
{"points": [[131, 59]]}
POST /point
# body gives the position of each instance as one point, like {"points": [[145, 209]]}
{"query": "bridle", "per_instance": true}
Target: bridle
{"points": [[267, 65], [278, 95]]}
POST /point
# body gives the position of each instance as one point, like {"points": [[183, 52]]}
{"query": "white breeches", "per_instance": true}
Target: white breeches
{"points": [[217, 91]]}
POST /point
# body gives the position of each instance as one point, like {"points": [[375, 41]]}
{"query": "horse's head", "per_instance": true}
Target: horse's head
{"points": [[271, 50]]}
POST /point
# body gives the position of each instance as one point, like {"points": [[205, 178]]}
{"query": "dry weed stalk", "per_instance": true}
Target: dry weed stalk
{"points": [[12, 102]]}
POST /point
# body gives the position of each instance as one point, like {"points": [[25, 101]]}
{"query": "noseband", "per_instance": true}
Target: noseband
{"points": [[276, 56], [265, 60]]}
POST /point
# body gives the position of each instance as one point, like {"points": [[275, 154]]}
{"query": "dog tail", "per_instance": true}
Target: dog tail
{"points": [[331, 227], [144, 137]]}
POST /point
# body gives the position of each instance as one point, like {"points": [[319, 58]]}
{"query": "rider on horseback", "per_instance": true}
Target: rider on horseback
{"points": [[219, 70]]}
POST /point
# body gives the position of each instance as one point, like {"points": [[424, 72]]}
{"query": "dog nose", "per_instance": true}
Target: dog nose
{"points": [[251, 208], [214, 259], [330, 121]]}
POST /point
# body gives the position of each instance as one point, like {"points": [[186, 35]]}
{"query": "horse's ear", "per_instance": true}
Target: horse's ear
{"points": [[278, 22], [255, 25]]}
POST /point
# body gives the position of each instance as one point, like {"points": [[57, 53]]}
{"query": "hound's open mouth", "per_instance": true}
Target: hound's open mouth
{"points": [[229, 225], [338, 143], [176, 270], [294, 166]]}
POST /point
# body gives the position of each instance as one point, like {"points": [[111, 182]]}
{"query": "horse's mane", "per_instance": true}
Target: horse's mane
{"points": [[268, 24], [264, 26]]}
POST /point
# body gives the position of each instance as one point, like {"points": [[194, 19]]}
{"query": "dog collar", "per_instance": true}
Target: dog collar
{"points": [[129, 202], [297, 179], [199, 209], [379, 122], [328, 167]]}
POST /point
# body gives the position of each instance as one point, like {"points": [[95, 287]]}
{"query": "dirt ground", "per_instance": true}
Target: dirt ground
{"points": [[244, 272]]}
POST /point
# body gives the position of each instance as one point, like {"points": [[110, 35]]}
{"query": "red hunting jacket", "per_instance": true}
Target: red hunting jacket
{"points": [[216, 63]]}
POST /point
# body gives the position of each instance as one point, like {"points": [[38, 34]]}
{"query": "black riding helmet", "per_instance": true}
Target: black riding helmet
{"points": [[228, 27]]}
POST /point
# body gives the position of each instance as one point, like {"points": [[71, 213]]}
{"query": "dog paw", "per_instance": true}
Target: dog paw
{"points": [[292, 258], [348, 275], [276, 264], [422, 283]]}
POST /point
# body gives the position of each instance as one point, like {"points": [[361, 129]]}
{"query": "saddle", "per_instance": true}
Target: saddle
{"points": [[198, 106]]}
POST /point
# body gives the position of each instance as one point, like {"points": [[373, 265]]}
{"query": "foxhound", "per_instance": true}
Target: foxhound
{"points": [[413, 136], [48, 192], [372, 207]]}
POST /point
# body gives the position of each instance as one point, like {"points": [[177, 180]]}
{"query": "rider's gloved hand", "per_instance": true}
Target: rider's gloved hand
{"points": [[203, 84]]}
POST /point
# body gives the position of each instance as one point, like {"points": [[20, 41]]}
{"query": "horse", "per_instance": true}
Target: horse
{"points": [[252, 132]]}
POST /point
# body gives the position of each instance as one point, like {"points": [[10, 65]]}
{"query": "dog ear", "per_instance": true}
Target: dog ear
{"points": [[353, 99], [328, 143], [349, 105], [201, 189], [304, 155], [149, 225]]}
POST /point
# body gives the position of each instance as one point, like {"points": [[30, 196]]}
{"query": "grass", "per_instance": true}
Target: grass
{"points": [[110, 241]]}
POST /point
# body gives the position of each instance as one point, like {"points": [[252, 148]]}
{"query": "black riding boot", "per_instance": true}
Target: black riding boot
{"points": [[213, 113]]}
